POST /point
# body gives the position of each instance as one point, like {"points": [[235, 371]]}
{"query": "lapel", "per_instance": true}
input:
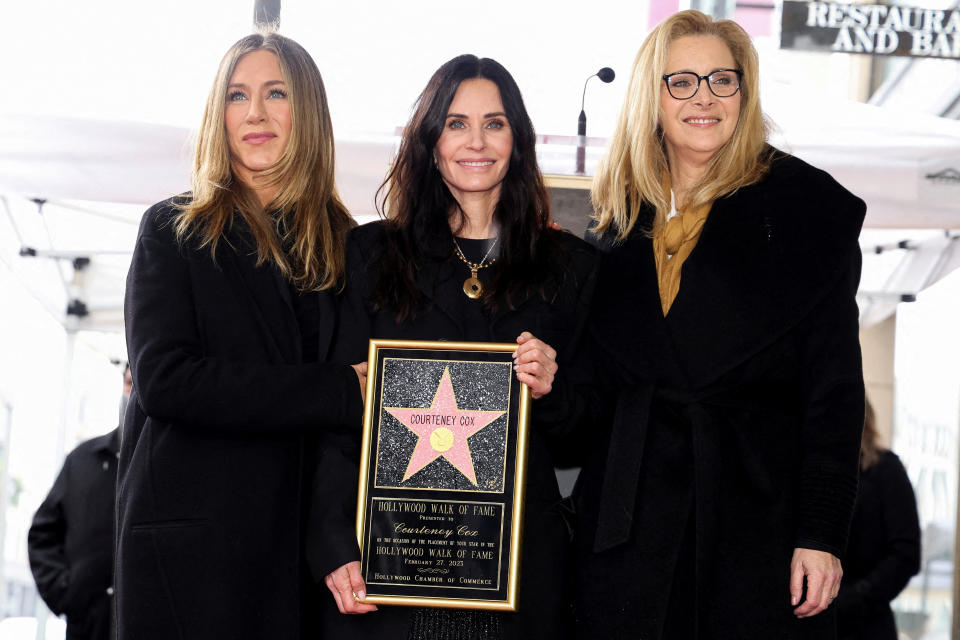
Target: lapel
{"points": [[267, 293], [504, 312], [766, 255], [626, 317], [438, 282], [328, 315]]}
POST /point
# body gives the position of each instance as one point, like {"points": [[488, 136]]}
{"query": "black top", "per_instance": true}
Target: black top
{"points": [[883, 553], [448, 314], [475, 316]]}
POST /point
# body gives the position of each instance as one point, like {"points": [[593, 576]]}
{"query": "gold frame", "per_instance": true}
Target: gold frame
{"points": [[520, 472]]}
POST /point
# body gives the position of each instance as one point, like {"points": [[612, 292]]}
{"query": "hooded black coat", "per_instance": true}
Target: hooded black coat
{"points": [[725, 434]]}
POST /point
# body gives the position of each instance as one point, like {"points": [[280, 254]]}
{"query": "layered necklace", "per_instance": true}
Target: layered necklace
{"points": [[472, 286]]}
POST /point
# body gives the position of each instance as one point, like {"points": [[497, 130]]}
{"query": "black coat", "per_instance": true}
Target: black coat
{"points": [[541, 607], [883, 554], [219, 441], [70, 542], [725, 434]]}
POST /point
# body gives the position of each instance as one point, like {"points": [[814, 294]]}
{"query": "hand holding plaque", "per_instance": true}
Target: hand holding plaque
{"points": [[442, 475]]}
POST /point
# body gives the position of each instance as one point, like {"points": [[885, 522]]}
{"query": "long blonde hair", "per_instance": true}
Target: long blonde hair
{"points": [[636, 162], [306, 234]]}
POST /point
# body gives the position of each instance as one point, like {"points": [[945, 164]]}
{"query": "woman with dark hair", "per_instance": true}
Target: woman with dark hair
{"points": [[229, 317], [884, 549], [466, 253]]}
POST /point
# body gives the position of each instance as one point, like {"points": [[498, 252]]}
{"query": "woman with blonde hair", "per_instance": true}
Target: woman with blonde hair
{"points": [[229, 316], [723, 433]]}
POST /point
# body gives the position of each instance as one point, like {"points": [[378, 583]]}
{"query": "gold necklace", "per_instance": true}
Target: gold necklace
{"points": [[472, 286]]}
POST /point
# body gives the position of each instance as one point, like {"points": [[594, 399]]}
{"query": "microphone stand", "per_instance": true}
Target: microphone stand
{"points": [[582, 133]]}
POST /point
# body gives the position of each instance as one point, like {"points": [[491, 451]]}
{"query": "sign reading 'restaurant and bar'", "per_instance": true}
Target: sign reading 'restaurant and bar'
{"points": [[877, 29]]}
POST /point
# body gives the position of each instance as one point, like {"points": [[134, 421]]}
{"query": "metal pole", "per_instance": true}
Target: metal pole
{"points": [[6, 420], [266, 12], [71, 342], [40, 610], [956, 569]]}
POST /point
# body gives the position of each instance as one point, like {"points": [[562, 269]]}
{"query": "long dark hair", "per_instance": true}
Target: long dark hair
{"points": [[417, 203]]}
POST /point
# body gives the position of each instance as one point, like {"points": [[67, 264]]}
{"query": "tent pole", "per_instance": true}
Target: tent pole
{"points": [[266, 12]]}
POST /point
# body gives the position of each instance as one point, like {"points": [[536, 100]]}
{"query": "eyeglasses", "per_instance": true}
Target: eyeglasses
{"points": [[723, 83]]}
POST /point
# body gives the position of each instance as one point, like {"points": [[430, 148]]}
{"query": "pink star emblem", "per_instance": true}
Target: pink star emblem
{"points": [[442, 430]]}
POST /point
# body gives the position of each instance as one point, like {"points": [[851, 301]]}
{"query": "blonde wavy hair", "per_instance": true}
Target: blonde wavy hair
{"points": [[636, 161], [305, 233]]}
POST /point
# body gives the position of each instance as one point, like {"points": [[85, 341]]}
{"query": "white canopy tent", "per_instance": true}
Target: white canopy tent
{"points": [[74, 188], [76, 175]]}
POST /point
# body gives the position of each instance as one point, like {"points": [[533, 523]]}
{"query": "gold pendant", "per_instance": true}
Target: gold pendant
{"points": [[473, 287]]}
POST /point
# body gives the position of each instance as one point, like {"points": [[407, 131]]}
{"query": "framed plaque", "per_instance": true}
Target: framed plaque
{"points": [[440, 503]]}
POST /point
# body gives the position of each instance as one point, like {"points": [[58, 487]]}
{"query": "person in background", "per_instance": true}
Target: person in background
{"points": [[71, 539], [466, 253], [721, 428], [230, 314], [884, 548]]}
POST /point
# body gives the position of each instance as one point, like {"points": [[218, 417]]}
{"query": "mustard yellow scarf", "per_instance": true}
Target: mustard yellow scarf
{"points": [[672, 243]]}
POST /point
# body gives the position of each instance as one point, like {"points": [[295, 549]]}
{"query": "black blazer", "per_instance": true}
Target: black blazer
{"points": [[558, 323], [738, 415], [218, 441], [70, 542]]}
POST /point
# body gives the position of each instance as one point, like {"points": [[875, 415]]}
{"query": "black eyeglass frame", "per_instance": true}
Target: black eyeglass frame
{"points": [[667, 76]]}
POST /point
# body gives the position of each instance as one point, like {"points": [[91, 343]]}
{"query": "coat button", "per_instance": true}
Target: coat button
{"points": [[109, 591], [106, 465]]}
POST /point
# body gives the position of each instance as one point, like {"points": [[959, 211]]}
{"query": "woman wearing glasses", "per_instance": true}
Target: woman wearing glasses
{"points": [[717, 501]]}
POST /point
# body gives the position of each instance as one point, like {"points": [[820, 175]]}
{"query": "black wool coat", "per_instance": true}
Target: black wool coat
{"points": [[883, 554], [70, 542], [727, 433], [219, 441], [542, 612]]}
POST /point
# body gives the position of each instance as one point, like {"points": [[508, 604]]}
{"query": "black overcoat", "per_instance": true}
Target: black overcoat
{"points": [[730, 428], [219, 441], [71, 539], [542, 611]]}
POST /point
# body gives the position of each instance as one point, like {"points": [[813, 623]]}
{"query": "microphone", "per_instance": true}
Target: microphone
{"points": [[606, 75]]}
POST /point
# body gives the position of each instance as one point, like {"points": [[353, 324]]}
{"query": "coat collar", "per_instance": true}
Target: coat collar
{"points": [[436, 280], [266, 291], [441, 281], [108, 442], [767, 254]]}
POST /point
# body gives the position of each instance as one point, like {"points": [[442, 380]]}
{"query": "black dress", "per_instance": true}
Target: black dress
{"points": [[450, 315], [884, 552]]}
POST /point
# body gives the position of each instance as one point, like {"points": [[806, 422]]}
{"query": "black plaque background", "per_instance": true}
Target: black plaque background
{"points": [[496, 529]]}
